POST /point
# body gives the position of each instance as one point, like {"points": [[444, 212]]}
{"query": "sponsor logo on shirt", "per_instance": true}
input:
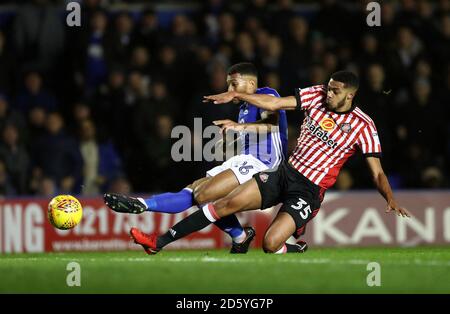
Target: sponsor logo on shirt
{"points": [[320, 133], [327, 124]]}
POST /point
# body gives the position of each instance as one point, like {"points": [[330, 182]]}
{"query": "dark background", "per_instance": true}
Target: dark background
{"points": [[90, 109]]}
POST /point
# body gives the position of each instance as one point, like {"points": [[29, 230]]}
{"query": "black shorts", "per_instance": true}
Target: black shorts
{"points": [[300, 197]]}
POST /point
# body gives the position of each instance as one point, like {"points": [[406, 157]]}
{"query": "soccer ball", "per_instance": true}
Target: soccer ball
{"points": [[64, 212]]}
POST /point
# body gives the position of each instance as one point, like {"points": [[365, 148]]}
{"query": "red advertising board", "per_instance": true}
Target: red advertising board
{"points": [[24, 228], [346, 219]]}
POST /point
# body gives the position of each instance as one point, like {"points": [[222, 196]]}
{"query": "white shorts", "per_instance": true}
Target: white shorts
{"points": [[243, 167]]}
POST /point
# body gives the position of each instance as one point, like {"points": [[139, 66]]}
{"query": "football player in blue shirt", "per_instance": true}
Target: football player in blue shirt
{"points": [[258, 153]]}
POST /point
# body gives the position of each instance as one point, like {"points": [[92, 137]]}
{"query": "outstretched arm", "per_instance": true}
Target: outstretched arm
{"points": [[266, 102], [268, 120], [383, 186]]}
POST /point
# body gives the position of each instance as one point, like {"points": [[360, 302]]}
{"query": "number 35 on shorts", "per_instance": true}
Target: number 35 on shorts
{"points": [[304, 211]]}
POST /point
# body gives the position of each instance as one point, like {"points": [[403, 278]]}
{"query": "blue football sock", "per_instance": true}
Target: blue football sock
{"points": [[170, 202], [231, 225]]}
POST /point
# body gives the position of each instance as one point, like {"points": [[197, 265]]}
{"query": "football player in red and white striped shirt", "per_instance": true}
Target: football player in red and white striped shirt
{"points": [[329, 137], [332, 131]]}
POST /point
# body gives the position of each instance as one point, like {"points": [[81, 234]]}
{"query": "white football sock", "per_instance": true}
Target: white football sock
{"points": [[142, 201], [240, 238], [282, 250]]}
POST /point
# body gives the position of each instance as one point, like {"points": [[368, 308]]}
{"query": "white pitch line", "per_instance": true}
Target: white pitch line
{"points": [[208, 259]]}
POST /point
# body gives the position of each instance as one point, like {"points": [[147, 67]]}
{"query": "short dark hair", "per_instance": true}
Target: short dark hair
{"points": [[243, 68], [348, 78]]}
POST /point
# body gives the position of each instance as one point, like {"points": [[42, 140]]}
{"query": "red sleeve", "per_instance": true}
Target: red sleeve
{"points": [[369, 141], [310, 96]]}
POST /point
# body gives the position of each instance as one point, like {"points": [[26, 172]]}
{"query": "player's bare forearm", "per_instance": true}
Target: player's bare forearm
{"points": [[254, 127], [268, 121], [266, 102], [382, 183], [266, 124]]}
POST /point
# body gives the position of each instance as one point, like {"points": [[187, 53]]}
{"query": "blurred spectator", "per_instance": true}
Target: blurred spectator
{"points": [[38, 35], [8, 66], [284, 12], [388, 20], [425, 22], [34, 94], [217, 84], [137, 89], [407, 14], [47, 188], [122, 39], [89, 8], [158, 149], [375, 101], [401, 60], [172, 70], [129, 76], [423, 69], [203, 57], [120, 185], [298, 31], [149, 34], [330, 63], [35, 180], [443, 7], [110, 104], [261, 38], [91, 59], [431, 117], [331, 14], [58, 155], [271, 60], [257, 9], [245, 49], [15, 158], [441, 46], [317, 75], [9, 116], [101, 162], [293, 132], [318, 48], [252, 25], [36, 124], [160, 102], [272, 79], [345, 58], [140, 62], [370, 53], [183, 36], [296, 52], [432, 178], [81, 112], [227, 30], [344, 181], [6, 186]]}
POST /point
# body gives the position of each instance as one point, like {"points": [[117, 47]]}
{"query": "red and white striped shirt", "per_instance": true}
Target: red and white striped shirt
{"points": [[327, 139]]}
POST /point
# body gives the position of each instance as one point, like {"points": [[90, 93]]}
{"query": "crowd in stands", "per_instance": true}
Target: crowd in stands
{"points": [[90, 109]]}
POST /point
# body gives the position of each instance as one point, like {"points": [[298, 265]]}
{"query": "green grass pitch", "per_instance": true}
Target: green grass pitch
{"points": [[325, 270]]}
